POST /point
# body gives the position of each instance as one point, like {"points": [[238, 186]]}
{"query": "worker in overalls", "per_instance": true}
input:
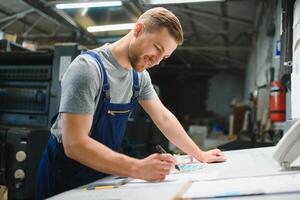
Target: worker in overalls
{"points": [[99, 90]]}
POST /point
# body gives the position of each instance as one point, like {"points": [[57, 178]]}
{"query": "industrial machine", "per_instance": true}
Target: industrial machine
{"points": [[21, 149], [29, 97]]}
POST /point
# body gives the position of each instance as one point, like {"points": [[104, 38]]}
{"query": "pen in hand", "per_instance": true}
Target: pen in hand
{"points": [[161, 150]]}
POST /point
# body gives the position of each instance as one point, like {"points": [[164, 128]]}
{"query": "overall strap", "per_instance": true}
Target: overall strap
{"points": [[105, 95], [97, 58], [135, 85]]}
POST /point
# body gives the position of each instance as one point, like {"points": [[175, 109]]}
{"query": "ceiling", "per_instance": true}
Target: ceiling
{"points": [[217, 35]]}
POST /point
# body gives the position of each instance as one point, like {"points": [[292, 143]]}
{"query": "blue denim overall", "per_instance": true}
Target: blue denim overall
{"points": [[58, 173]]}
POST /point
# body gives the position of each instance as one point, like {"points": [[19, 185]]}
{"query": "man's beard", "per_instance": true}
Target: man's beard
{"points": [[134, 59]]}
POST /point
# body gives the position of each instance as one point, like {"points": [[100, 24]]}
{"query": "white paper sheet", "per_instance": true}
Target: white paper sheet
{"points": [[244, 186], [167, 191]]}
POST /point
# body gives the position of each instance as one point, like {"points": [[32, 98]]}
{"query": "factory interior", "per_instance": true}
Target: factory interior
{"points": [[233, 85]]}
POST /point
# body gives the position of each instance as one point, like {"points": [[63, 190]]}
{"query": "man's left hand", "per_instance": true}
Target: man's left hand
{"points": [[214, 155]]}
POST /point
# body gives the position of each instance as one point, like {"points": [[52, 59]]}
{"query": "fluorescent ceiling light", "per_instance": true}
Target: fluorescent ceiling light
{"points": [[113, 27], [156, 2], [89, 4]]}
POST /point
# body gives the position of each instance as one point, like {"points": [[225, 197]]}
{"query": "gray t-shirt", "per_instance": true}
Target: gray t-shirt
{"points": [[82, 84]]}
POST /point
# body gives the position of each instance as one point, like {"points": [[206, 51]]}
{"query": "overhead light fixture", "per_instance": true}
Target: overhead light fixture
{"points": [[159, 2], [89, 4], [113, 27]]}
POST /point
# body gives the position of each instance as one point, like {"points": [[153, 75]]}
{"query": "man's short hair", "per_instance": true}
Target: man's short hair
{"points": [[159, 17]]}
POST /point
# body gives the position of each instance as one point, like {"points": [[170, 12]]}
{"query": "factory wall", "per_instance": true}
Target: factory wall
{"points": [[265, 48], [223, 89]]}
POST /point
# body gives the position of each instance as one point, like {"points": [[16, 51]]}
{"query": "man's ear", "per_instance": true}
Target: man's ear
{"points": [[138, 28]]}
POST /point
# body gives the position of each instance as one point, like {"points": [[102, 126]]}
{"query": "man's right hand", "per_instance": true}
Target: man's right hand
{"points": [[155, 167]]}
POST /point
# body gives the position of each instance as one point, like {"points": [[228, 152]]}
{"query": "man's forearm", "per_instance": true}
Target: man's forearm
{"points": [[99, 157], [173, 130]]}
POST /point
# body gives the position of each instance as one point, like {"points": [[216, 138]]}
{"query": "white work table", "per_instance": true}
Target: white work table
{"points": [[252, 171]]}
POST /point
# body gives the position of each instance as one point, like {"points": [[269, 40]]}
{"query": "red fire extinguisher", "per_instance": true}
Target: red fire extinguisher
{"points": [[277, 102]]}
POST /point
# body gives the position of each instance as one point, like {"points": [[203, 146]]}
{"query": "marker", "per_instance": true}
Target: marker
{"points": [[114, 182], [161, 150], [102, 187]]}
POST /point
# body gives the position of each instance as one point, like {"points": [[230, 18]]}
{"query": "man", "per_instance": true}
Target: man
{"points": [[99, 90]]}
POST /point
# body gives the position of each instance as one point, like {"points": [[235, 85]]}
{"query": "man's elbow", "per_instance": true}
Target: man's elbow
{"points": [[71, 148]]}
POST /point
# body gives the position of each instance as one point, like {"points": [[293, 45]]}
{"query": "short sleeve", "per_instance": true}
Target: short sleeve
{"points": [[80, 86], [147, 91]]}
